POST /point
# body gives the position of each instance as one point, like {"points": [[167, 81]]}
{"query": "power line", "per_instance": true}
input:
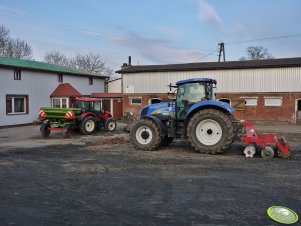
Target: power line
{"points": [[203, 57], [263, 39]]}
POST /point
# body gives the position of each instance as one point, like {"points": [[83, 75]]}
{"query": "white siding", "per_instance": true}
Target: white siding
{"points": [[114, 86], [238, 80], [38, 86]]}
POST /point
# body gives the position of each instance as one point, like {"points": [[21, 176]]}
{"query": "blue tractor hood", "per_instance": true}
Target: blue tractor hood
{"points": [[159, 108]]}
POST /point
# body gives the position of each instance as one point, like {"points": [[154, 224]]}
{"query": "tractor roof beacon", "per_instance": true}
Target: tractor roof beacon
{"points": [[195, 115]]}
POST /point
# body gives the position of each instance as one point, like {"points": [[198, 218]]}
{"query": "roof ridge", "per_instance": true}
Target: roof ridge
{"points": [[278, 62]]}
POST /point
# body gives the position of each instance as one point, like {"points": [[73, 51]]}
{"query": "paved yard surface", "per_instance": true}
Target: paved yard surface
{"points": [[85, 180]]}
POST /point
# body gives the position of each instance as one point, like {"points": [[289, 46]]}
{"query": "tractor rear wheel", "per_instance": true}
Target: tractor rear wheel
{"points": [[145, 135], [210, 131], [88, 125]]}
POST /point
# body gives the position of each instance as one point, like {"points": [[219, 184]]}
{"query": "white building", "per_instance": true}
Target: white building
{"points": [[27, 85], [271, 89]]}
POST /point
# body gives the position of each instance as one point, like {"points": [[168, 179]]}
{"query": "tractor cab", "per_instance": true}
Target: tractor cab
{"points": [[191, 91], [88, 104]]}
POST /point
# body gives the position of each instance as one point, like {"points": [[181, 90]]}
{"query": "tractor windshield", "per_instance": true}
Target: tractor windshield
{"points": [[190, 93], [88, 106]]}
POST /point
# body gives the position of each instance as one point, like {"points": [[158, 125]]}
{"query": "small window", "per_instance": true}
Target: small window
{"points": [[60, 78], [136, 100], [273, 101], [90, 81], [250, 101], [16, 104], [62, 102], [226, 100], [17, 74]]}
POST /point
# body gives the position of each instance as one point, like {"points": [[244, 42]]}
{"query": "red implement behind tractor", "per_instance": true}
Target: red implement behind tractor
{"points": [[267, 144]]}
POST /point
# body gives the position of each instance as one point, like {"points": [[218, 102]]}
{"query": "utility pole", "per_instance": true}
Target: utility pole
{"points": [[221, 51]]}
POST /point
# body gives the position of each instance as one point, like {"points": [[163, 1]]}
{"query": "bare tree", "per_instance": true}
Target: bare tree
{"points": [[55, 57], [92, 63], [18, 49], [4, 39], [257, 53], [13, 47]]}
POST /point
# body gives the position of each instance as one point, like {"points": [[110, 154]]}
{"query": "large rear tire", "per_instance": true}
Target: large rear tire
{"points": [[88, 125], [145, 135], [210, 131]]}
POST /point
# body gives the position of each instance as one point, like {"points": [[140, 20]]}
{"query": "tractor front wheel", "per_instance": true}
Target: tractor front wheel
{"points": [[88, 125], [110, 125], [210, 131], [145, 135]]}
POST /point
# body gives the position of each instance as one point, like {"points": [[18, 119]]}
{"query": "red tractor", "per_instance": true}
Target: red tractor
{"points": [[86, 114]]}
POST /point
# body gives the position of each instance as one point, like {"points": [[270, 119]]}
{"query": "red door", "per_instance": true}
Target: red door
{"points": [[117, 109]]}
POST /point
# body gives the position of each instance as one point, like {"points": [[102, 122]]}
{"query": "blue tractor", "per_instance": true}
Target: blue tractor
{"points": [[194, 115]]}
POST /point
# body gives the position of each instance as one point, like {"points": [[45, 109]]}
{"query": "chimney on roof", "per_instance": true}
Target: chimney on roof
{"points": [[125, 65], [130, 61]]}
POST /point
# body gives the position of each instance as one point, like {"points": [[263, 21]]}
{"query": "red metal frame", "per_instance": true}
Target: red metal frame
{"points": [[87, 99], [262, 139]]}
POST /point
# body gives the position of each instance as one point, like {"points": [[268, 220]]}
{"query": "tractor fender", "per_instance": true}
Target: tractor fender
{"points": [[225, 107], [106, 115], [85, 114], [158, 122]]}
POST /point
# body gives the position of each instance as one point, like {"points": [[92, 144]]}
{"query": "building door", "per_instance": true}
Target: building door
{"points": [[117, 109], [298, 113]]}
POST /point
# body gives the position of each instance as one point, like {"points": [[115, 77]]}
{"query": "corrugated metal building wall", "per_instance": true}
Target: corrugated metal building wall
{"points": [[228, 81]]}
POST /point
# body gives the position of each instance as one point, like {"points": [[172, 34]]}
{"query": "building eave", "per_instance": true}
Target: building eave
{"points": [[250, 64]]}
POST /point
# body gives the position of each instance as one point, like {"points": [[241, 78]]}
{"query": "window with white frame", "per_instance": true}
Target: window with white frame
{"points": [[273, 101], [60, 102], [16, 104], [136, 100], [250, 101]]}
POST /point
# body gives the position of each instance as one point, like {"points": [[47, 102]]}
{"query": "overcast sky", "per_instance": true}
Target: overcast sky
{"points": [[155, 31]]}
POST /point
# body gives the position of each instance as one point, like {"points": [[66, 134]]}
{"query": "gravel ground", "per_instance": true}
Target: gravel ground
{"points": [[102, 180]]}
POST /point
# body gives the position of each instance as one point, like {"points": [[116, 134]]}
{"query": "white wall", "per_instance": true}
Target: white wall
{"points": [[238, 80], [114, 86], [38, 86]]}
